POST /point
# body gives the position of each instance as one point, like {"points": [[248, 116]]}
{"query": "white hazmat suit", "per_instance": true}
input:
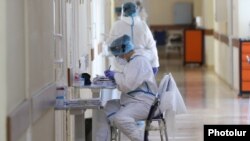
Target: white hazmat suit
{"points": [[138, 86], [143, 40]]}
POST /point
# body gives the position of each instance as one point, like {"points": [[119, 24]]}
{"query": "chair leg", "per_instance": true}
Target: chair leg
{"points": [[115, 134], [160, 129], [165, 129], [119, 135], [112, 134], [146, 135], [146, 130]]}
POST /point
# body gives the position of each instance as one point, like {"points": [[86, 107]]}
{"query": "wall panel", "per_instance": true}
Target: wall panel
{"points": [[3, 72]]}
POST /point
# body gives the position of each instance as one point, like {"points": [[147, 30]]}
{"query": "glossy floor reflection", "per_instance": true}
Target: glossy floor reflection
{"points": [[209, 100]]}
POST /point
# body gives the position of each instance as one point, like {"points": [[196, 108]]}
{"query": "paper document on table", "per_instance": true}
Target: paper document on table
{"points": [[85, 103], [103, 81]]}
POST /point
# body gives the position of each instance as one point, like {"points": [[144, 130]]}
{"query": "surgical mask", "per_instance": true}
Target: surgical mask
{"points": [[121, 61]]}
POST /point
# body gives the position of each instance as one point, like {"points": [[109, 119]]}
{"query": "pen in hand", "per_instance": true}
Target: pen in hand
{"points": [[107, 69]]}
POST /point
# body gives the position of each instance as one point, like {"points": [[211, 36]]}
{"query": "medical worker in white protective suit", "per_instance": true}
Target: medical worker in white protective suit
{"points": [[131, 24], [138, 86]]}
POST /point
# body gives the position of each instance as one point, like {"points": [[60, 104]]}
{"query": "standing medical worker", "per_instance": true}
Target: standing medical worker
{"points": [[138, 86], [131, 24]]}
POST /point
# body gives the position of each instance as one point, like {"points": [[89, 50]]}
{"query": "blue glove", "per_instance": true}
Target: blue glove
{"points": [[110, 74], [155, 70]]}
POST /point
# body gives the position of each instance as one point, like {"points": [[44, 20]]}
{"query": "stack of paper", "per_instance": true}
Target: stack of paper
{"points": [[103, 81], [85, 103]]}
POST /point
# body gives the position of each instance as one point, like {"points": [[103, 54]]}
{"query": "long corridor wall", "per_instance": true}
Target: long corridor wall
{"points": [[30, 70], [226, 55]]}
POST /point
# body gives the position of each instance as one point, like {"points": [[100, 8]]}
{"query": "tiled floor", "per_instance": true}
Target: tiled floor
{"points": [[209, 100]]}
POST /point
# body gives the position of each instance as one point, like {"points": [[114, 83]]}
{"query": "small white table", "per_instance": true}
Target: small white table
{"points": [[77, 108]]}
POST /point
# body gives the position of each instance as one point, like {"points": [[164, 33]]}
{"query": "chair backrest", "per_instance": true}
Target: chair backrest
{"points": [[159, 104], [158, 107]]}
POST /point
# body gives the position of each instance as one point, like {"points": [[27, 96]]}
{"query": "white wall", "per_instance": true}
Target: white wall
{"points": [[208, 14], [222, 54], [160, 12], [235, 18], [27, 46], [3, 72], [29, 49], [227, 58], [209, 51], [98, 64], [43, 129], [222, 61], [236, 68], [208, 23], [29, 55], [83, 29], [244, 19], [16, 86], [241, 29]]}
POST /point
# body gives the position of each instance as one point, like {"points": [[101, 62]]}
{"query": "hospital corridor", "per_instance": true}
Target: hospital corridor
{"points": [[208, 99], [124, 70]]}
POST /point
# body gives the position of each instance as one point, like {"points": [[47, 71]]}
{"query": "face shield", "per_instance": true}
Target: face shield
{"points": [[117, 49]]}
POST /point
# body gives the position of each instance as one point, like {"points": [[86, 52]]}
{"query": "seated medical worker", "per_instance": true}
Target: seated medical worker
{"points": [[138, 86], [131, 24]]}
